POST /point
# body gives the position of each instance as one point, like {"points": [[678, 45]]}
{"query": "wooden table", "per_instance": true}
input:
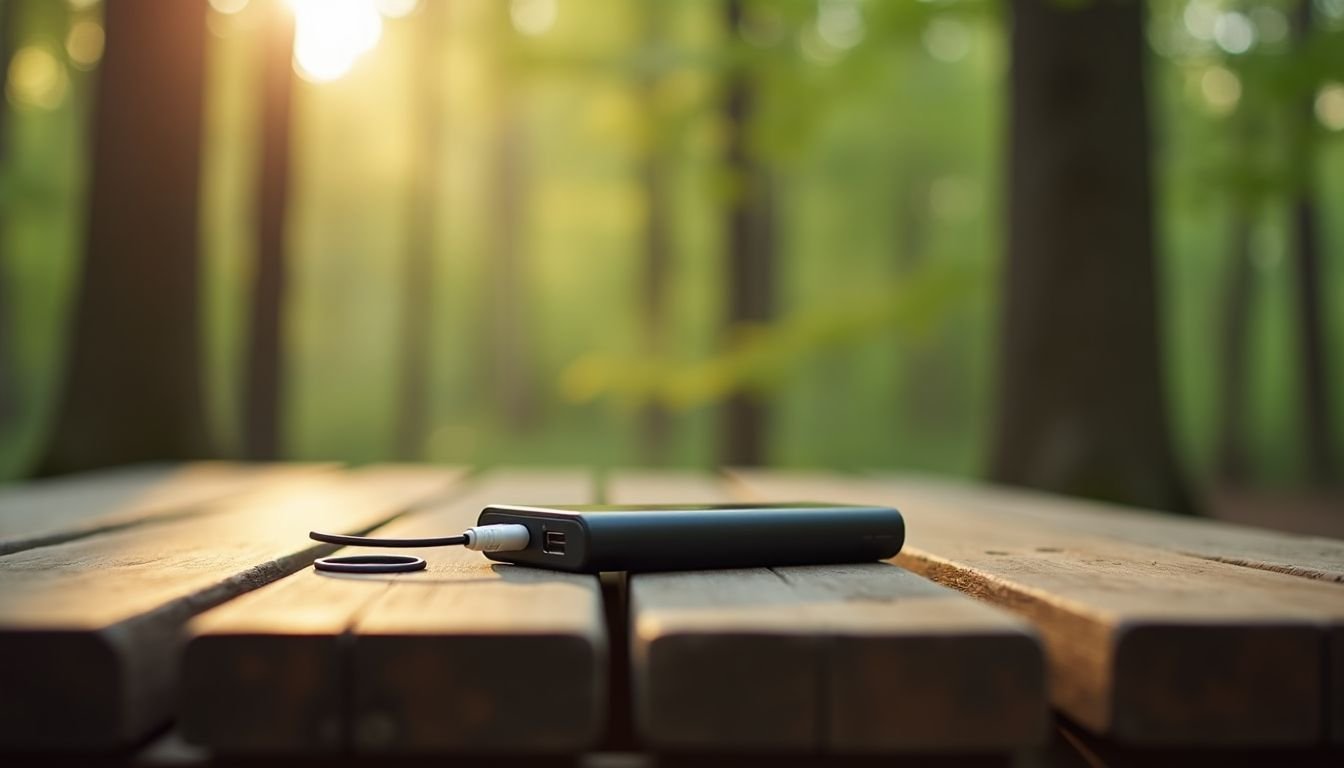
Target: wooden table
{"points": [[1013, 626]]}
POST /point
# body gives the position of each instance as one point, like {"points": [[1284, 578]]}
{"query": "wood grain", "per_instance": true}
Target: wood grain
{"points": [[1312, 557], [1146, 645], [90, 629], [266, 672], [844, 658], [466, 656], [46, 512]]}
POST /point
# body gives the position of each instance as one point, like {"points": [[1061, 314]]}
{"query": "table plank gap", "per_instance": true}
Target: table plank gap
{"points": [[97, 622], [450, 658], [859, 658], [1311, 557], [1146, 645], [56, 510], [476, 656]]}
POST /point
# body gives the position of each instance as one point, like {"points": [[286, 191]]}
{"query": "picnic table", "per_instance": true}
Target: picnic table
{"points": [[170, 615]]}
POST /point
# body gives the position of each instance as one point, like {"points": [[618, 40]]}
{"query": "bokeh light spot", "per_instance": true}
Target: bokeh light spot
{"points": [[533, 17], [228, 6], [839, 23], [1233, 32], [84, 43], [947, 40], [1221, 89], [37, 78], [1333, 9], [1330, 106], [1201, 18]]}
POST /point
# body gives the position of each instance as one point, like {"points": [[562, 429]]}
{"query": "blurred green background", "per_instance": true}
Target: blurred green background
{"points": [[882, 122]]}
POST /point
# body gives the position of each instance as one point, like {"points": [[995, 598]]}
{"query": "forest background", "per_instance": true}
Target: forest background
{"points": [[621, 232]]}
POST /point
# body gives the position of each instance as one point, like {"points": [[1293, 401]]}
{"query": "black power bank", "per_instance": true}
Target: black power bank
{"points": [[663, 537]]}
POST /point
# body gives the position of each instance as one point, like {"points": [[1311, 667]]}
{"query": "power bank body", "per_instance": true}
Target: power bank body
{"points": [[663, 537]]}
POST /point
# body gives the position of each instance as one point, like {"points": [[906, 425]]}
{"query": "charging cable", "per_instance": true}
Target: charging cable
{"points": [[505, 537]]}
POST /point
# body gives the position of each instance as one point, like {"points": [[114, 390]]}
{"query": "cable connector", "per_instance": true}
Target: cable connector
{"points": [[504, 537]]}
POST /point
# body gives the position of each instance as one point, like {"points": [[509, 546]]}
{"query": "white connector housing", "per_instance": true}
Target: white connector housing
{"points": [[505, 537]]}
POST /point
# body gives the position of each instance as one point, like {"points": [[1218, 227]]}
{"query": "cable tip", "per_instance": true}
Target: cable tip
{"points": [[506, 537]]}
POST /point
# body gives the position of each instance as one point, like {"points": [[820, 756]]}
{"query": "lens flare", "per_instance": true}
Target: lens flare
{"points": [[331, 35], [396, 9]]}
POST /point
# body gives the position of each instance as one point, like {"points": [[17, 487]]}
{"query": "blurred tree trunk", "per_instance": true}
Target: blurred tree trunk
{"points": [[1231, 460], [132, 389], [1317, 418], [265, 366], [1080, 399], [506, 312], [912, 215], [750, 251], [10, 397], [426, 141], [657, 231]]}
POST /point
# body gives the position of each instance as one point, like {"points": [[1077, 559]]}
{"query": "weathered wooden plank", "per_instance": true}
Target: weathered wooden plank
{"points": [[1092, 751], [56, 510], [89, 629], [266, 672], [1312, 557], [478, 656], [1146, 645], [1334, 684], [846, 658], [466, 656]]}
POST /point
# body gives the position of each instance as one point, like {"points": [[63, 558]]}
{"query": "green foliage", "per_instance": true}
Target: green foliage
{"points": [[764, 358], [883, 122]]}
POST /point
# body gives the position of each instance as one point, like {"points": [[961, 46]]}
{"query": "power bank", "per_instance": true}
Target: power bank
{"points": [[662, 537]]}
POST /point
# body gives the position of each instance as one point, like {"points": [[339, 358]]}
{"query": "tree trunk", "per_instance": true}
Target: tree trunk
{"points": [[265, 366], [1317, 415], [10, 397], [508, 372], [656, 421], [1081, 407], [750, 252], [1231, 460], [132, 389], [426, 140]]}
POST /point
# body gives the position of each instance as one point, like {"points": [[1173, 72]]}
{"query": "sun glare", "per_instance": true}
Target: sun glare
{"points": [[395, 9], [331, 35]]}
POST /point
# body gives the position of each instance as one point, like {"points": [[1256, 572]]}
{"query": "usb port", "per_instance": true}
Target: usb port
{"points": [[553, 543]]}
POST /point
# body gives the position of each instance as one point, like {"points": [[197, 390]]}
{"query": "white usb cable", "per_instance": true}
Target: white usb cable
{"points": [[505, 537]]}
